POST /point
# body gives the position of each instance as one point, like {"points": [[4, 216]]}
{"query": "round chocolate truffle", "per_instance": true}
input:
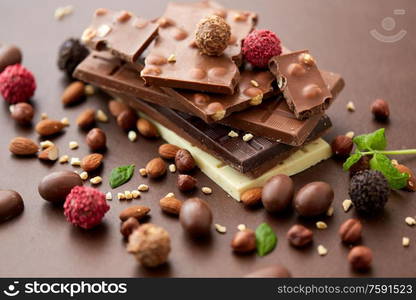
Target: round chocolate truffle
{"points": [[277, 193], [212, 35], [314, 199]]}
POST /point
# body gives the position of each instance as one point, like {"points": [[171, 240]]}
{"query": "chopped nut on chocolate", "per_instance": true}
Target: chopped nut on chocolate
{"points": [[247, 137], [350, 106], [254, 83], [233, 134], [220, 228], [321, 225], [257, 100], [73, 145]]}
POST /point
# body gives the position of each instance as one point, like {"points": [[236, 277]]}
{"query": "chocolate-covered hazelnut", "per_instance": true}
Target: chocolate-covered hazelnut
{"points": [[360, 258], [127, 120], [275, 271], [314, 199], [128, 226], [186, 182], [11, 204], [350, 231], [277, 193], [244, 241], [299, 236], [55, 186], [22, 113], [96, 139], [196, 217]]}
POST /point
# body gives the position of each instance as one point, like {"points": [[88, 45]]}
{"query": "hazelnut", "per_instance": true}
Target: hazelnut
{"points": [[380, 109], [128, 226], [411, 182], [299, 236], [360, 258], [186, 182], [184, 161], [244, 241], [150, 244], [127, 119], [350, 231], [22, 113], [342, 146], [361, 165], [96, 139]]}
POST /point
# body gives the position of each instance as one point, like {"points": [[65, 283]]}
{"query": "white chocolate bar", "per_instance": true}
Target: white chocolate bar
{"points": [[234, 182]]}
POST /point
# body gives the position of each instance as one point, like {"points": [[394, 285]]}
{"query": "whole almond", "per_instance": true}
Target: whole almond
{"points": [[96, 139], [251, 197], [184, 161], [86, 119], [350, 231], [411, 182], [91, 162], [73, 93], [136, 211], [23, 146], [116, 107], [244, 241], [50, 154], [49, 127], [168, 151], [146, 128], [156, 168], [170, 205]]}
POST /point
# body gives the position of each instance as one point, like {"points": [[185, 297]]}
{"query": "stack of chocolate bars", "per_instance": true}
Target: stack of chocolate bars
{"points": [[242, 124]]}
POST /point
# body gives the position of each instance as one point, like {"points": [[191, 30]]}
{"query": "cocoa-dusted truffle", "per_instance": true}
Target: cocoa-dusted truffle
{"points": [[369, 191], [212, 35], [70, 54]]}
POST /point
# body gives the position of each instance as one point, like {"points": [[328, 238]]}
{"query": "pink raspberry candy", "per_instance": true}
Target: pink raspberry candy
{"points": [[259, 46], [85, 206], [17, 84]]}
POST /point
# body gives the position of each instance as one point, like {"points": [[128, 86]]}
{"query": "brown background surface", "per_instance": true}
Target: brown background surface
{"points": [[41, 243]]}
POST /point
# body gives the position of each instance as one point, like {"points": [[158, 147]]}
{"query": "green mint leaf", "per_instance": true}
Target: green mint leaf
{"points": [[372, 141], [351, 160], [121, 175], [383, 164], [266, 239]]}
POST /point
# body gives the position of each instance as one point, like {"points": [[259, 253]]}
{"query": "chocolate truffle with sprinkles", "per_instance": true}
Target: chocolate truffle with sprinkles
{"points": [[212, 35], [70, 54], [369, 191]]}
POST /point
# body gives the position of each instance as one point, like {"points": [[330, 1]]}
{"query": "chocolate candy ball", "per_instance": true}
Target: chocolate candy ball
{"points": [[277, 193], [55, 186], [212, 35], [11, 205], [196, 217], [314, 199]]}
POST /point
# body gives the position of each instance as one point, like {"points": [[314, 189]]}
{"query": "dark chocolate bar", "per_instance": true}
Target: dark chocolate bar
{"points": [[123, 34], [252, 158], [174, 60], [302, 85]]}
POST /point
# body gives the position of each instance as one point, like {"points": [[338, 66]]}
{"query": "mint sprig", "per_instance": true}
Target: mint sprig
{"points": [[374, 144], [121, 175], [266, 239]]}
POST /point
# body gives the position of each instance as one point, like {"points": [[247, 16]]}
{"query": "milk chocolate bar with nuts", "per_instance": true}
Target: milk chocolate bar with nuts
{"points": [[120, 32], [302, 84], [175, 61]]}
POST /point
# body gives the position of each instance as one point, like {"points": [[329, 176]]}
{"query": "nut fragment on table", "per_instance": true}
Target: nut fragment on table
{"points": [[350, 106], [322, 251], [132, 136], [206, 190], [96, 180], [75, 161], [143, 187], [100, 116], [410, 221], [83, 175], [172, 168], [73, 145], [321, 225], [63, 159], [346, 204], [109, 196], [220, 228]]}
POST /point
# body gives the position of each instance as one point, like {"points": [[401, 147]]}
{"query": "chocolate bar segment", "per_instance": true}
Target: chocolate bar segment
{"points": [[252, 158], [274, 120], [174, 60], [303, 87], [123, 34]]}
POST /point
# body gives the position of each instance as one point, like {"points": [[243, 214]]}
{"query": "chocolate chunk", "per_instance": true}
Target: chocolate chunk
{"points": [[56, 186], [196, 217], [302, 84], [9, 55], [11, 205], [278, 193], [314, 199], [70, 54], [190, 69], [123, 34]]}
